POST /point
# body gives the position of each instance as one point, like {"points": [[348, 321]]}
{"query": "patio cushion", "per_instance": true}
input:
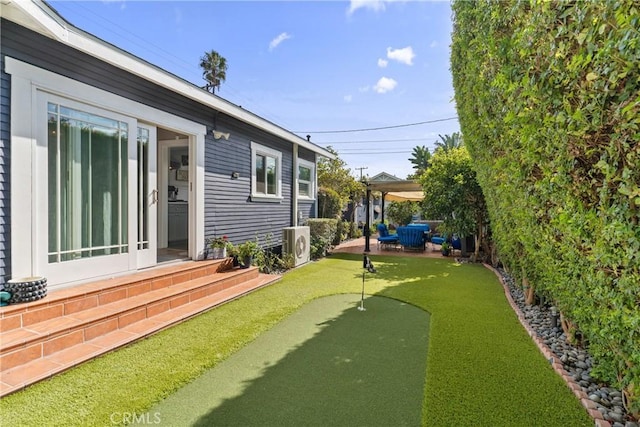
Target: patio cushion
{"points": [[438, 240]]}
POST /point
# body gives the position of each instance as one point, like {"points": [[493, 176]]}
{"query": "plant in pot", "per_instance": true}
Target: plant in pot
{"points": [[233, 252], [219, 247], [445, 249], [246, 252]]}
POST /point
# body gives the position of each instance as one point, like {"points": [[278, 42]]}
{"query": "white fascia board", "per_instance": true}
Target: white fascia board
{"points": [[52, 25]]}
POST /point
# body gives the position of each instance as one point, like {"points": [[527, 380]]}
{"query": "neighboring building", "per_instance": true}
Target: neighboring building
{"points": [[109, 163], [375, 210]]}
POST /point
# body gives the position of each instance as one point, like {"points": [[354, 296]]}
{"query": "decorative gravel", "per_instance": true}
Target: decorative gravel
{"points": [[576, 361]]}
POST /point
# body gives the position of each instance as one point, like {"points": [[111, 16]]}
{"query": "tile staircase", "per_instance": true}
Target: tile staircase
{"points": [[70, 326]]}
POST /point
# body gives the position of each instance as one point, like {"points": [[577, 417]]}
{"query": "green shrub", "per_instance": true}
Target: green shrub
{"points": [[354, 231], [323, 232], [547, 98], [401, 213], [342, 229]]}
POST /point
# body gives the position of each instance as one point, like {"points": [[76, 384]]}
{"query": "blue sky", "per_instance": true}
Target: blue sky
{"points": [[308, 66]]}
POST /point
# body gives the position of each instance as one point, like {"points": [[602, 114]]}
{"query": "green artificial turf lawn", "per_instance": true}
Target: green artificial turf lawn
{"points": [[482, 368], [327, 364]]}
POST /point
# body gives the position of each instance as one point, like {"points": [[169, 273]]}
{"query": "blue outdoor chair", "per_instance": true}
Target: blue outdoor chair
{"points": [[456, 244], [411, 238], [384, 237], [424, 227], [438, 240]]}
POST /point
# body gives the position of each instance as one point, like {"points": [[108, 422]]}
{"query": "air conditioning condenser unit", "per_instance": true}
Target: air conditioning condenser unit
{"points": [[296, 241]]}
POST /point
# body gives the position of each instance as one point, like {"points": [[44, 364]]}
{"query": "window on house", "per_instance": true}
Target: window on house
{"points": [[306, 172], [266, 166], [87, 179]]}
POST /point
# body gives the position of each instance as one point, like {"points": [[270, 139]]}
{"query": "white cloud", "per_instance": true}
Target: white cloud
{"points": [[385, 84], [363, 89], [382, 62], [275, 42], [404, 55], [123, 3], [375, 5], [348, 98], [433, 44]]}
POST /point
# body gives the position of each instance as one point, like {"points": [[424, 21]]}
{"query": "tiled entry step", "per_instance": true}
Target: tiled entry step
{"points": [[70, 326]]}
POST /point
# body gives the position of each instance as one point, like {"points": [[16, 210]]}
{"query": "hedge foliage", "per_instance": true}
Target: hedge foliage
{"points": [[548, 97], [322, 232]]}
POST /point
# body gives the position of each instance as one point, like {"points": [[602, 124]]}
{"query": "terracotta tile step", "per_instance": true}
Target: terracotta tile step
{"points": [[157, 273], [47, 366], [82, 297], [118, 314]]}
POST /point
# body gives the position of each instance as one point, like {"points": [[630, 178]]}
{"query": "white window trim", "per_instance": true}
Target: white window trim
{"points": [[31, 87], [266, 151], [312, 187]]}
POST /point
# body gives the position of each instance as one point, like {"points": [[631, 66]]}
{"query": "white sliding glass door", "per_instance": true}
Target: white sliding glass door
{"points": [[147, 196]]}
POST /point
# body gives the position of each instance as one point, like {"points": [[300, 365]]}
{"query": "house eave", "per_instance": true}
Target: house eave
{"points": [[38, 16]]}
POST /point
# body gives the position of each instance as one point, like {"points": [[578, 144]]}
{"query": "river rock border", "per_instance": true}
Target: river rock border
{"points": [[572, 364]]}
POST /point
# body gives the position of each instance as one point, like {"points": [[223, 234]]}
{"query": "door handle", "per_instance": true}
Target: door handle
{"points": [[154, 197]]}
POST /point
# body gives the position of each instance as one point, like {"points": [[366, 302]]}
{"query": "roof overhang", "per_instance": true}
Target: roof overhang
{"points": [[38, 16]]}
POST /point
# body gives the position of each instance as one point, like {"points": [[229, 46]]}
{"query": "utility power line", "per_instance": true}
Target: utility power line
{"points": [[373, 153], [148, 46], [378, 128], [373, 141]]}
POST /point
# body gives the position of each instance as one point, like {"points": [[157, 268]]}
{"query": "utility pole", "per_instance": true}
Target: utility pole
{"points": [[361, 169]]}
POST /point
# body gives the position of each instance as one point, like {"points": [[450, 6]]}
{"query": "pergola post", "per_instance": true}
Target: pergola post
{"points": [[367, 225]]}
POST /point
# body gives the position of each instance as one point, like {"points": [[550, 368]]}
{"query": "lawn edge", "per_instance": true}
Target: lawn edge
{"points": [[588, 404]]}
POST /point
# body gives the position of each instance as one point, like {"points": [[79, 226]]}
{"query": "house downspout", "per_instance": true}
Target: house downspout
{"points": [[315, 187], [294, 190]]}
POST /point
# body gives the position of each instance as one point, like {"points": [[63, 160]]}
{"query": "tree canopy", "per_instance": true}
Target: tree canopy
{"points": [[336, 182], [420, 158], [452, 193], [214, 70], [449, 142]]}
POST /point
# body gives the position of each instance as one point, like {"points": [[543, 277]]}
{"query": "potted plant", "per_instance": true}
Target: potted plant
{"points": [[232, 251], [445, 248], [219, 247], [246, 252]]}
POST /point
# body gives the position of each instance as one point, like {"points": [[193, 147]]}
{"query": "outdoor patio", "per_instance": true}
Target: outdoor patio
{"points": [[356, 246]]}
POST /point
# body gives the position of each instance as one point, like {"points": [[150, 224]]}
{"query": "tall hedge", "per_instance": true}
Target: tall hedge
{"points": [[548, 97]]}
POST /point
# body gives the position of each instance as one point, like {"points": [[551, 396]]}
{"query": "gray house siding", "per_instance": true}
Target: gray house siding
{"points": [[5, 175], [228, 208], [33, 48]]}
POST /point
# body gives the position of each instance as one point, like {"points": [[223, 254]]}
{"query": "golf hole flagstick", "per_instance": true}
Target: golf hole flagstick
{"points": [[368, 266]]}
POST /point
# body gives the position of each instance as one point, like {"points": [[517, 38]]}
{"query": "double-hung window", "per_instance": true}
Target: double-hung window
{"points": [[306, 174], [266, 173]]}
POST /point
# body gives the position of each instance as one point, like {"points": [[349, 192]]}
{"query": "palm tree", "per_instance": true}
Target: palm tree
{"points": [[449, 142], [214, 70], [421, 159]]}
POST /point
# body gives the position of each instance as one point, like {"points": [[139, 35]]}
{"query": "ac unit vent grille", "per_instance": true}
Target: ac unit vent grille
{"points": [[296, 241]]}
